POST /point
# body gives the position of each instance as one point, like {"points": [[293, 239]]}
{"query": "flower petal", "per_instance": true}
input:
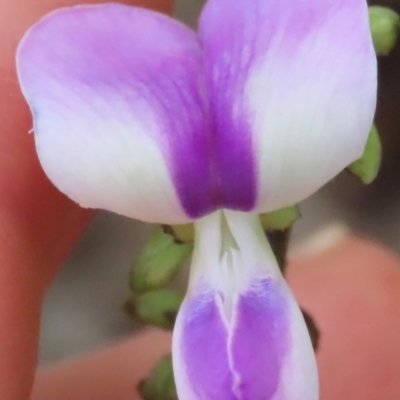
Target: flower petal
{"points": [[292, 88], [271, 347], [240, 334], [118, 111], [201, 364]]}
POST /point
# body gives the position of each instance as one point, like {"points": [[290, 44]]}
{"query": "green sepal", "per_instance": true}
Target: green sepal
{"points": [[159, 262], [281, 219], [158, 308], [160, 385], [366, 168], [385, 24]]}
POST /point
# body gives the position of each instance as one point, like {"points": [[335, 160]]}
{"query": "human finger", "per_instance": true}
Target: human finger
{"points": [[38, 225], [352, 289]]}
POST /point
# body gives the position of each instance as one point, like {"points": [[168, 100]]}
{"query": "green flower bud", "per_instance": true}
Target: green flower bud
{"points": [[385, 24], [158, 308], [281, 219], [366, 168], [160, 385], [159, 262], [183, 233]]}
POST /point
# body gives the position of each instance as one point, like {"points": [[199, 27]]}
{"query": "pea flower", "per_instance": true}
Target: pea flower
{"points": [[136, 114]]}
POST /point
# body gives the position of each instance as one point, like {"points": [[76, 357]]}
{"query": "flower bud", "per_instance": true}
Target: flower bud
{"points": [[281, 219], [183, 233], [159, 262], [385, 24], [367, 167], [158, 308], [160, 385]]}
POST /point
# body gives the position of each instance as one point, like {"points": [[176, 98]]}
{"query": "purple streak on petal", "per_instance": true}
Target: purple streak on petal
{"points": [[129, 57], [237, 37], [260, 341], [245, 362], [228, 58], [204, 348]]}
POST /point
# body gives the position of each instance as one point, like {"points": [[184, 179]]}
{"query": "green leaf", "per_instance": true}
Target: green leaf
{"points": [[366, 168], [158, 308], [160, 385], [159, 262], [385, 24], [281, 219]]}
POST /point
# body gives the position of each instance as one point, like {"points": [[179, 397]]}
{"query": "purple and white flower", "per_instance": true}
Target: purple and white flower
{"points": [[136, 114]]}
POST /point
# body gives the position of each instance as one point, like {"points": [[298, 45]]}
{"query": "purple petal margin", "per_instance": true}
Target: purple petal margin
{"points": [[241, 361]]}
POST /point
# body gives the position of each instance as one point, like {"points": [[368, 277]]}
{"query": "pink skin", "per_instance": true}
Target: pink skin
{"points": [[353, 290]]}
